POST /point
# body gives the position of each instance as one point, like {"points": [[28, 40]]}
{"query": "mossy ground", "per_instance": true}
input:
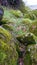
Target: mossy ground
{"points": [[17, 28]]}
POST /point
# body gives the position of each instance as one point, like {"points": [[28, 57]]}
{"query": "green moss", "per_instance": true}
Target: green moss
{"points": [[30, 15], [33, 27], [8, 53], [27, 39], [17, 13], [33, 52], [26, 22], [27, 59], [34, 12], [4, 34], [8, 27], [2, 56], [22, 25]]}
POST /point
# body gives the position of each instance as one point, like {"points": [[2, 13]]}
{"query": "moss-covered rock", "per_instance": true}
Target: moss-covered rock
{"points": [[16, 13], [33, 53], [30, 15], [15, 30], [8, 53], [27, 39], [8, 27], [33, 27], [4, 34]]}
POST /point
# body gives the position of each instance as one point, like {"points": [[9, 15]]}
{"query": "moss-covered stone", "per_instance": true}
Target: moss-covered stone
{"points": [[27, 39], [17, 13], [17, 29], [33, 53], [8, 53], [4, 34], [33, 27], [8, 27]]}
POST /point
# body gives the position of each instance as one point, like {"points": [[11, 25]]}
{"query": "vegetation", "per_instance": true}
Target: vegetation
{"points": [[17, 29]]}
